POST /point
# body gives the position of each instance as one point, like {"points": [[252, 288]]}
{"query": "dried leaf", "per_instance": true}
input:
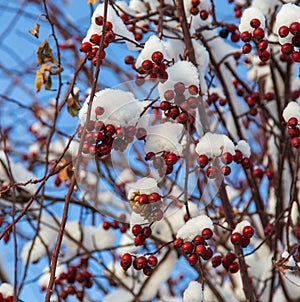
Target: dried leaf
{"points": [[35, 31], [39, 80], [73, 106], [66, 173], [92, 1], [44, 54]]}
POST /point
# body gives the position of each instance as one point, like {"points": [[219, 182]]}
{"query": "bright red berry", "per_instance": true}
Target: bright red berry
{"points": [[283, 31], [216, 261], [236, 239], [85, 47], [157, 57], [202, 160], [207, 233], [193, 259], [152, 261], [136, 229], [255, 23], [187, 247]]}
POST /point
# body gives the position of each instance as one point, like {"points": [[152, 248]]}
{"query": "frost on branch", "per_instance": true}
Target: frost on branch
{"points": [[121, 108], [291, 110], [213, 144], [119, 27], [194, 226], [193, 293], [164, 137]]}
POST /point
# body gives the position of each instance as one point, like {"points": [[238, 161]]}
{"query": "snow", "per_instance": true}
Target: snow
{"points": [[44, 279], [153, 44], [125, 176], [164, 137], [120, 295], [288, 14], [120, 107], [249, 14], [193, 293], [6, 290], [244, 147], [267, 7], [181, 71], [126, 244], [194, 227], [213, 144], [119, 27], [145, 185], [291, 110], [240, 226]]}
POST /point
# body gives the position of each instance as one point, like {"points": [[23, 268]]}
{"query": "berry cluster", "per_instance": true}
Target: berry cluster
{"points": [[6, 299], [231, 29], [288, 49], [226, 158], [101, 138], [154, 68], [294, 131], [139, 263], [229, 262], [147, 205], [91, 48], [197, 248], [243, 239], [138, 32], [257, 36], [214, 97], [106, 225], [163, 163], [74, 281], [194, 10]]}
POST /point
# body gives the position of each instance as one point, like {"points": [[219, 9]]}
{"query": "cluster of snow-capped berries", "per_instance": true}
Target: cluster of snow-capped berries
{"points": [[74, 281], [257, 36], [101, 138], [231, 29], [6, 299], [154, 68], [147, 205], [91, 48], [163, 163], [294, 132], [291, 50], [243, 239], [229, 262], [194, 10], [197, 248], [146, 264], [226, 158]]}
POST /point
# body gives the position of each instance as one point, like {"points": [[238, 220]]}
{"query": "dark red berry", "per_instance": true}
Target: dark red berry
{"points": [[207, 233], [236, 239]]}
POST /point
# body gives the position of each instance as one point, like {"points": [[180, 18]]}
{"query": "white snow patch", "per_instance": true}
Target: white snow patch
{"points": [[249, 14], [244, 147], [291, 110], [193, 293]]}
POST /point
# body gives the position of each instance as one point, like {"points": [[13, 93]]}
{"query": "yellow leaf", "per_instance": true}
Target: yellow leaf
{"points": [[65, 173], [92, 1], [35, 31], [44, 54], [39, 80]]}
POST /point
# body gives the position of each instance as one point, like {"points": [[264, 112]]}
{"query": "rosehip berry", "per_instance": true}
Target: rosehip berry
{"points": [[262, 45], [246, 36], [246, 48], [258, 34], [208, 254], [106, 225], [200, 249], [238, 156], [157, 57], [99, 20], [140, 262], [147, 65], [255, 23], [235, 37], [85, 47], [152, 261], [216, 261], [178, 242], [292, 122], [136, 229], [264, 56], [226, 170], [139, 240], [296, 56], [207, 233], [226, 158], [211, 172], [146, 231], [193, 259], [154, 197], [129, 60], [293, 132], [174, 112], [204, 14], [202, 160], [126, 261], [236, 239], [187, 247], [296, 142], [143, 199], [295, 28], [195, 2], [108, 25], [287, 48], [283, 31], [198, 240], [171, 159], [233, 268]]}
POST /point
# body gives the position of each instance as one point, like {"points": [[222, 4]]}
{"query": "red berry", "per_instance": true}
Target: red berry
{"points": [[258, 173], [99, 125], [264, 56], [246, 48], [200, 249], [295, 28], [154, 197], [168, 95], [262, 45], [211, 172], [171, 159], [157, 57], [297, 234], [129, 60], [245, 242], [193, 259], [187, 247], [287, 48], [226, 158], [255, 23], [296, 142], [198, 240], [143, 199], [178, 242], [246, 163], [208, 254], [204, 14], [179, 88], [194, 11], [296, 41], [226, 170], [202, 160], [126, 261], [233, 268], [213, 98], [296, 56], [147, 270], [193, 89], [216, 261], [236, 239], [99, 110], [147, 65], [235, 37], [258, 33], [106, 225], [207, 233], [246, 36], [230, 257], [99, 20], [195, 2], [146, 231], [292, 122], [293, 132], [85, 47], [238, 156], [283, 31], [139, 240], [149, 155], [152, 261], [136, 229], [174, 112], [140, 262], [108, 25]]}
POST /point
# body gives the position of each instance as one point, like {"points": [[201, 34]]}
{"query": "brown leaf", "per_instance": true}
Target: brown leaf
{"points": [[73, 106], [39, 80], [44, 54], [35, 31], [66, 173]]}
